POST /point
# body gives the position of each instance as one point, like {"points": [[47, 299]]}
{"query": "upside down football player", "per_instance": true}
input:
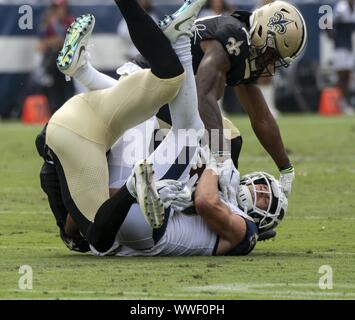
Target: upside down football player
{"points": [[82, 131]]}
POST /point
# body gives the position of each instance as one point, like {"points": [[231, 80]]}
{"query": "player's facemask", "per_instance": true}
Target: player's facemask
{"points": [[264, 218], [266, 60]]}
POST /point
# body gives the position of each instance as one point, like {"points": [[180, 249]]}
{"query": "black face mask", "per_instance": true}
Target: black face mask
{"points": [[266, 60], [265, 64]]}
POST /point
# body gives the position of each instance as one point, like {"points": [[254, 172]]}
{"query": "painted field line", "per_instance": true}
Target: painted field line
{"points": [[292, 290], [188, 294], [246, 286]]}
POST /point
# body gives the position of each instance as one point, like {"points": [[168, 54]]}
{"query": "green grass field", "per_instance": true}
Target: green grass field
{"points": [[319, 229]]}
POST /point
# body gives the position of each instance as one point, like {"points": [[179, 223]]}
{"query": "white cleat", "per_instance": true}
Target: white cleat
{"points": [[147, 195], [181, 21], [73, 54]]}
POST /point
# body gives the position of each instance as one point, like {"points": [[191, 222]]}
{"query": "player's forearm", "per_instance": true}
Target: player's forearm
{"points": [[263, 123], [210, 112], [211, 116], [207, 202], [269, 136], [210, 81], [208, 185]]}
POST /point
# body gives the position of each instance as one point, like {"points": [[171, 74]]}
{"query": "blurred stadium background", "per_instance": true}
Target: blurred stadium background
{"points": [[24, 64]]}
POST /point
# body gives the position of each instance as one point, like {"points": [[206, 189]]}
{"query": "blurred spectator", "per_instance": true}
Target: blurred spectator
{"points": [[123, 33], [266, 83], [215, 7], [344, 26], [56, 19]]}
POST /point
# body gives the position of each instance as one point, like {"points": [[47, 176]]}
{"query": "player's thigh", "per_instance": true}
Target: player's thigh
{"points": [[84, 167], [136, 98]]}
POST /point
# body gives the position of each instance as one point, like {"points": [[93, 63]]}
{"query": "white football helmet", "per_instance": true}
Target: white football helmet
{"points": [[278, 26], [265, 219]]}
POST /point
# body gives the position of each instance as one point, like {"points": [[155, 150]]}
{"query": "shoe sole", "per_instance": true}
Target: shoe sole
{"points": [[78, 31], [188, 11], [148, 198]]}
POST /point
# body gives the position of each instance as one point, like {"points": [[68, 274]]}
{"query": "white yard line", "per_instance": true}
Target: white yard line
{"points": [[290, 290], [207, 292]]}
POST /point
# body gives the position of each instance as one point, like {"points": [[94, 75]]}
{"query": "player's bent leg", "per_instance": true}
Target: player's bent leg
{"points": [[83, 175], [150, 40], [133, 100], [84, 168]]}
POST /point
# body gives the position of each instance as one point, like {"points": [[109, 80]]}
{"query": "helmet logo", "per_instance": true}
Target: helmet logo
{"points": [[233, 46], [278, 22]]}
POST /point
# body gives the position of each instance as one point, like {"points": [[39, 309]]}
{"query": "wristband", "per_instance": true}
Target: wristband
{"points": [[287, 169]]}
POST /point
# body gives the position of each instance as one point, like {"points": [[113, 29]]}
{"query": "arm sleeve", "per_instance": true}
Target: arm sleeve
{"points": [[249, 242]]}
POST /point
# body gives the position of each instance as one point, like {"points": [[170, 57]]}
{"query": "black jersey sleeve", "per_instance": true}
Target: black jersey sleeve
{"points": [[236, 43], [234, 38]]}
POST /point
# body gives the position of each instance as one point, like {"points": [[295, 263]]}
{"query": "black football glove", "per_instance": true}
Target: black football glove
{"points": [[79, 245], [269, 234]]}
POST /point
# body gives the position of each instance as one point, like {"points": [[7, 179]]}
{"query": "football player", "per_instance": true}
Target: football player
{"points": [[80, 133], [218, 228], [234, 50], [206, 223], [210, 224]]}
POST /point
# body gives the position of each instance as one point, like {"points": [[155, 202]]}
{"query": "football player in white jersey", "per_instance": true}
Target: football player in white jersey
{"points": [[211, 223]]}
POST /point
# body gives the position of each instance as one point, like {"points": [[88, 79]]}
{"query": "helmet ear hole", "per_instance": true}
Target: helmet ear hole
{"points": [[281, 216]]}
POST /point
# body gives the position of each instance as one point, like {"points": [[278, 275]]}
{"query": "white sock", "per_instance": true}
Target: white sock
{"points": [[92, 79], [184, 108], [182, 47]]}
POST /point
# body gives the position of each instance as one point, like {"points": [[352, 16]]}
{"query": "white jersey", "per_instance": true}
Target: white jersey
{"points": [[185, 235], [134, 145]]}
